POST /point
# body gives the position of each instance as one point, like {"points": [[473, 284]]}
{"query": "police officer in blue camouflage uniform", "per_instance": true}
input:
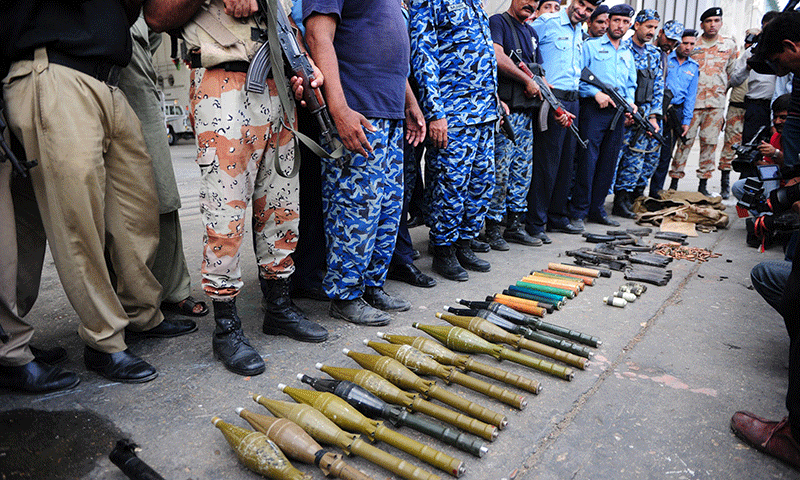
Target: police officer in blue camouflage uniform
{"points": [[612, 62], [561, 44], [514, 160], [640, 152], [454, 64]]}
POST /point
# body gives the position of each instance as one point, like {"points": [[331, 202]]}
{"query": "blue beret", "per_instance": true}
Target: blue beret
{"points": [[647, 14], [711, 12], [673, 30], [599, 11], [621, 9], [689, 32]]}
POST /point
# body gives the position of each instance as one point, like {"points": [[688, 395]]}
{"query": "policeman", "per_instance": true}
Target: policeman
{"points": [[514, 161], [716, 55], [561, 44], [681, 83], [597, 25], [640, 152], [612, 62], [454, 64]]}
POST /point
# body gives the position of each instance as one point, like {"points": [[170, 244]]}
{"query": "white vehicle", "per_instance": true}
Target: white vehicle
{"points": [[177, 123]]}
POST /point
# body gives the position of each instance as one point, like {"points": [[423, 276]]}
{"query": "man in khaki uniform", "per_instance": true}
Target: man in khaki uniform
{"points": [[716, 56], [94, 184]]}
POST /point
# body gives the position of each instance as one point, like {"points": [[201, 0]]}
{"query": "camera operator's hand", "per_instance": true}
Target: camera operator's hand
{"points": [[769, 151]]}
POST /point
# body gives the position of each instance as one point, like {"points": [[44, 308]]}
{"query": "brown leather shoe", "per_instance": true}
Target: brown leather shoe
{"points": [[773, 438]]}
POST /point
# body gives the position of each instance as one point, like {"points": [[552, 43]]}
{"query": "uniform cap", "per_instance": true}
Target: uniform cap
{"points": [[711, 12], [673, 30], [598, 11], [621, 9], [596, 3], [545, 1], [689, 32], [647, 14]]}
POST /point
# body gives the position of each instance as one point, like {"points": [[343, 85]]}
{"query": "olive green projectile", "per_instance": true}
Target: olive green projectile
{"points": [[258, 453]]}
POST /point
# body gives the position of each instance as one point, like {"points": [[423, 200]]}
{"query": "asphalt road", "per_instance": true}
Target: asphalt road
{"points": [[654, 402]]}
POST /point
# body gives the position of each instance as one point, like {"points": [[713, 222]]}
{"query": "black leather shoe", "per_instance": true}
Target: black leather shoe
{"points": [[446, 264], [515, 232], [466, 257], [316, 293], [36, 377], [410, 274], [283, 317], [378, 298], [604, 220], [415, 221], [50, 356], [622, 205], [166, 329], [479, 247], [122, 366], [359, 312], [540, 235], [229, 344], [565, 228]]}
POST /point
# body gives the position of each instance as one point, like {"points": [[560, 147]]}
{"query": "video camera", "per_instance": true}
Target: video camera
{"points": [[763, 195], [747, 154]]}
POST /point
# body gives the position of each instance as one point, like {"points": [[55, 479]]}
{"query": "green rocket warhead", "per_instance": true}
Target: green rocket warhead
{"points": [[388, 392], [462, 340], [442, 354], [397, 373], [493, 333], [323, 430], [346, 416], [298, 445], [421, 362], [258, 453]]}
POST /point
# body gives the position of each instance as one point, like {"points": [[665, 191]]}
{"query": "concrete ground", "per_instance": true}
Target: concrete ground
{"points": [[654, 402]]}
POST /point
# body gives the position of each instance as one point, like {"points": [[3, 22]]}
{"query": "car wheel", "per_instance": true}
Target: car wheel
{"points": [[170, 136]]}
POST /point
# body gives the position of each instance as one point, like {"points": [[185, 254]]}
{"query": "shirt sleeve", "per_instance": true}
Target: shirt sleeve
{"points": [[656, 105], [424, 62], [691, 97], [630, 84], [740, 71], [585, 89], [496, 28]]}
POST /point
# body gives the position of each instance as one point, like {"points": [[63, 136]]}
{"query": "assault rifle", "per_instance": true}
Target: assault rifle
{"points": [[622, 105], [547, 94], [298, 63]]}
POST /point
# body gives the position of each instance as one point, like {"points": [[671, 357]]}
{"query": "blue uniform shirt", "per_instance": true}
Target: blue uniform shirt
{"points": [[452, 59], [560, 43], [682, 82], [614, 67]]}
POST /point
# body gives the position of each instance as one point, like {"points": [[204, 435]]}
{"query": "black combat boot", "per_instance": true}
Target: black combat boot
{"points": [[622, 206], [230, 345], [673, 184], [283, 317], [493, 237], [466, 257], [725, 185], [446, 264], [703, 188], [637, 192], [515, 232]]}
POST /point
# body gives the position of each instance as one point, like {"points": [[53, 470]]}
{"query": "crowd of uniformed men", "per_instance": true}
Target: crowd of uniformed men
{"points": [[431, 78]]}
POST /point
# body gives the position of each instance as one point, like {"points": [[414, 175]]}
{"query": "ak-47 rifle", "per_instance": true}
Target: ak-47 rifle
{"points": [[21, 167], [547, 94], [299, 65], [622, 105]]}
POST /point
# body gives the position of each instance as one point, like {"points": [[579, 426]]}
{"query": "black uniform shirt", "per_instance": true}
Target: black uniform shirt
{"points": [[90, 28]]}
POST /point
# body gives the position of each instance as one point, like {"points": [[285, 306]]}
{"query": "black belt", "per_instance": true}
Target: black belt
{"points": [[232, 66], [102, 70], [737, 104], [565, 95], [758, 100]]}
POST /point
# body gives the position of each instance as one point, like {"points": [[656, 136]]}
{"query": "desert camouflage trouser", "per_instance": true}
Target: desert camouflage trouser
{"points": [[708, 122], [237, 134], [362, 201], [734, 123], [513, 165]]}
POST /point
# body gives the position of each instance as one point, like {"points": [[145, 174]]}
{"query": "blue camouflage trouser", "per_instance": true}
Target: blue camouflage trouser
{"points": [[513, 165], [461, 183], [362, 201], [636, 162]]}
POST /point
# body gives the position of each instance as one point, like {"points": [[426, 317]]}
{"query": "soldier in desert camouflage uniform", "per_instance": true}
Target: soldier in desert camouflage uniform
{"points": [[716, 56]]}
